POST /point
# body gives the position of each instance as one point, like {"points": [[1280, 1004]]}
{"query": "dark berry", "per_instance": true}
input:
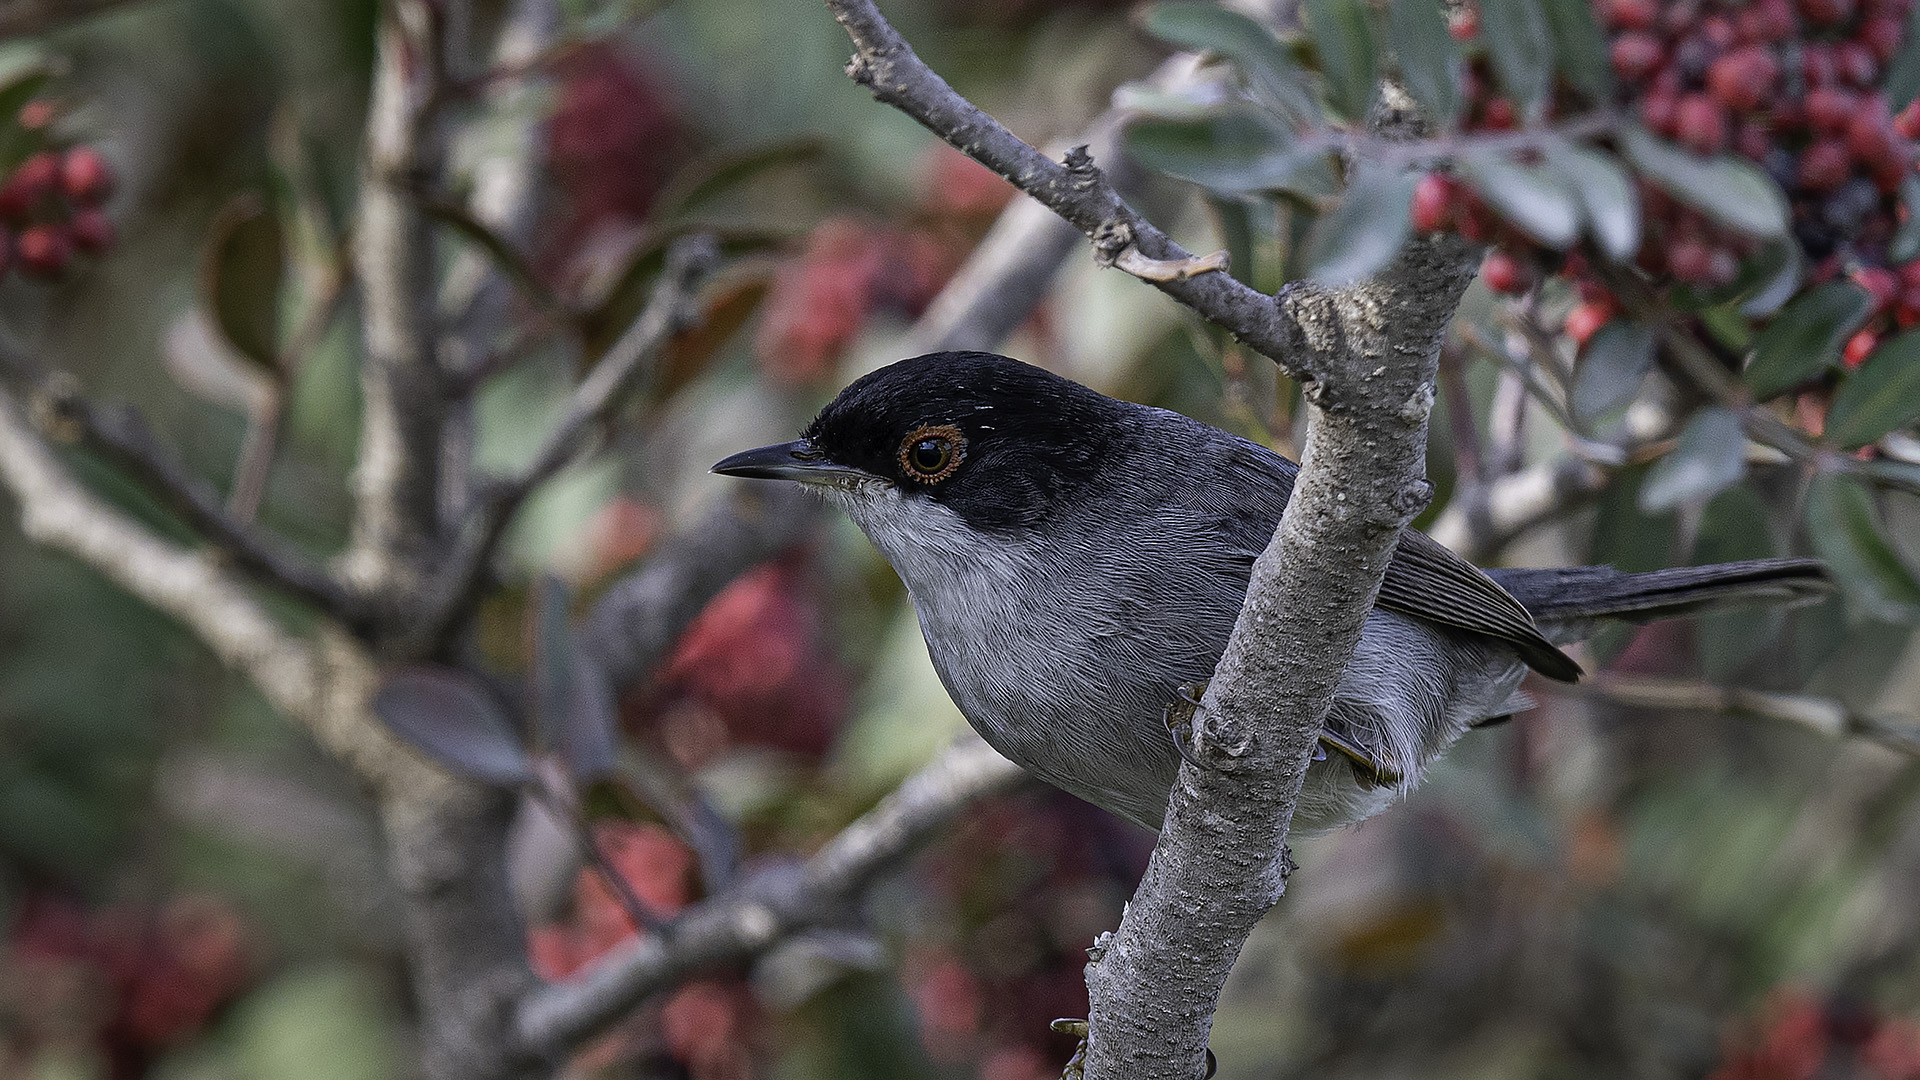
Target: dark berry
{"points": [[1636, 55], [1753, 140], [92, 231], [1691, 261], [1870, 133], [1856, 64], [1825, 165], [1817, 65], [1782, 166], [1432, 203], [1701, 124], [1826, 12], [43, 250], [85, 176], [1691, 59], [1830, 109], [1848, 208]]}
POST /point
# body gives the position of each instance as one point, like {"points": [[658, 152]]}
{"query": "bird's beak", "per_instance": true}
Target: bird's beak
{"points": [[796, 460]]}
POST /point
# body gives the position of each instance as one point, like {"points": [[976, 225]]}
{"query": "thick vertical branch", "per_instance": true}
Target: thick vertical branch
{"points": [[396, 483]]}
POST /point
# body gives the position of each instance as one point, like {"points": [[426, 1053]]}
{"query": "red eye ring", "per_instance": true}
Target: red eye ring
{"points": [[932, 452]]}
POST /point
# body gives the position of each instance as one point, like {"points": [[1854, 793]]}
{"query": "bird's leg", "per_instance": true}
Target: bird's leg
{"points": [[1370, 770], [1077, 1064], [1178, 717]]}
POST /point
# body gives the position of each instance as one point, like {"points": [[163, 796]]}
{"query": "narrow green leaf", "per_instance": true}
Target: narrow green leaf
{"points": [[1531, 198], [708, 178], [1727, 189], [1710, 456], [1579, 47], [1806, 337], [1430, 61], [1612, 367], [241, 270], [1879, 396], [24, 70], [1343, 34], [1607, 196], [1208, 27], [1905, 245], [1844, 526], [1903, 74], [1243, 149], [1366, 230], [1521, 42]]}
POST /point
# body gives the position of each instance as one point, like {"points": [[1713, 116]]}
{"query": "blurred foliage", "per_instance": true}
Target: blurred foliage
{"points": [[194, 891]]}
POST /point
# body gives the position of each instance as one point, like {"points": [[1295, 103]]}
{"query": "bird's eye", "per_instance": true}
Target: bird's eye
{"points": [[931, 453]]}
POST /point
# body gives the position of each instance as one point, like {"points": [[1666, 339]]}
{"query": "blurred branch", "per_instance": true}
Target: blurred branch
{"points": [[121, 435], [23, 18], [404, 394], [1002, 281], [57, 511], [1827, 716], [625, 368], [762, 911]]}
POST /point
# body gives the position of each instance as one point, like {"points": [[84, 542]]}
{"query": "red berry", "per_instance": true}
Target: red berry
{"points": [[1499, 115], [36, 115], [1830, 109], [1752, 139], [1505, 274], [1880, 283], [1633, 14], [1719, 31], [1858, 347], [1856, 64], [92, 231], [1691, 261], [1825, 165], [1870, 133], [1463, 23], [1701, 124], [1909, 311], [85, 176], [1883, 34], [1766, 21], [1817, 65], [38, 175], [1822, 12], [1907, 124], [1910, 276], [43, 250], [1585, 320], [1432, 203], [1636, 55], [1743, 78], [1661, 112]]}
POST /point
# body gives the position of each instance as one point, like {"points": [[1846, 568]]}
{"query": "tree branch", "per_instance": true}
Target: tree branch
{"points": [[1828, 716], [745, 921]]}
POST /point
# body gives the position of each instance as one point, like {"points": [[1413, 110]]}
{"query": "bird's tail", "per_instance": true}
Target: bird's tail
{"points": [[1572, 596]]}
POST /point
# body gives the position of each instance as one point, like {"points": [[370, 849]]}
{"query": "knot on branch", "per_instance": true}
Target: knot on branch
{"points": [[1109, 240], [1405, 504], [1418, 406], [1079, 165], [58, 409], [860, 69]]}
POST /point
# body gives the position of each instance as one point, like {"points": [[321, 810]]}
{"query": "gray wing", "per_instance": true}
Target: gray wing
{"points": [[1424, 579]]}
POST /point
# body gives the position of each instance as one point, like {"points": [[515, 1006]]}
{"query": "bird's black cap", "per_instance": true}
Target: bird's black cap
{"points": [[1032, 442]]}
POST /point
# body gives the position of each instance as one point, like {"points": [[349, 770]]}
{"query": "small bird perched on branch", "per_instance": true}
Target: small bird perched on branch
{"points": [[1078, 563]]}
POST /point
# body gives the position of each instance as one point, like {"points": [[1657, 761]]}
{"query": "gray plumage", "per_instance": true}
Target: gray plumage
{"points": [[1086, 557]]}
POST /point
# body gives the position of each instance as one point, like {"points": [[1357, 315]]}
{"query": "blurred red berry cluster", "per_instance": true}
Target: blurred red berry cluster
{"points": [[1028, 881], [50, 204], [613, 135], [1799, 1037], [121, 983], [1793, 87], [852, 268], [754, 668], [703, 1026]]}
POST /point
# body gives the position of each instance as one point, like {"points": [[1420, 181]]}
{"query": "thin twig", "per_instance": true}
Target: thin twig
{"points": [[1828, 716], [640, 915]]}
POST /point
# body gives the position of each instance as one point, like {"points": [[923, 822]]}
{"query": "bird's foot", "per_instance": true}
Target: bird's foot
{"points": [[1371, 770], [1077, 1064], [1178, 717]]}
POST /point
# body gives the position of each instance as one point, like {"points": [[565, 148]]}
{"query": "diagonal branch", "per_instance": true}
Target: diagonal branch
{"points": [[121, 435], [744, 922]]}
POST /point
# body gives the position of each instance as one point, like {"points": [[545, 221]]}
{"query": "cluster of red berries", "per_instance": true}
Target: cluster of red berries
{"points": [[1791, 85], [50, 207], [1800, 1037]]}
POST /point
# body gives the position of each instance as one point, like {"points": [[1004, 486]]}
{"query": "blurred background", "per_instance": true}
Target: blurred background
{"points": [[192, 890]]}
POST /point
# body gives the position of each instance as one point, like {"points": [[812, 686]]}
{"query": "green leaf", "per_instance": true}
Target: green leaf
{"points": [[1208, 27], [1243, 149], [1343, 35], [1430, 61], [1369, 227], [241, 270], [1806, 337], [24, 70], [1727, 189], [1844, 526], [1905, 245], [1712, 454], [1612, 367], [1579, 47], [1517, 34], [1778, 270], [1903, 74], [1530, 198], [1607, 196], [1879, 396]]}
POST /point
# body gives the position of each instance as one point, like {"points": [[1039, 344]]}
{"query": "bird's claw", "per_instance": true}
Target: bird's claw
{"points": [[1371, 771], [1077, 1064], [1178, 717]]}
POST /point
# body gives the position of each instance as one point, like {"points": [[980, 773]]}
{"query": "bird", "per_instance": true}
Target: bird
{"points": [[1077, 563]]}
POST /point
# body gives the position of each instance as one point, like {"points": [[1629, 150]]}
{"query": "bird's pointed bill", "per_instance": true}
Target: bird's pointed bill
{"points": [[798, 460]]}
